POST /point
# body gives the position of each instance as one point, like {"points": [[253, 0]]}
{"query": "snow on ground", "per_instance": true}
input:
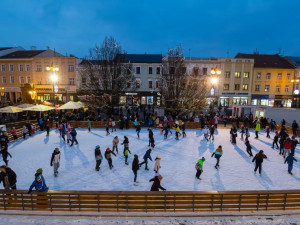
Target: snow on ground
{"points": [[238, 220], [77, 171]]}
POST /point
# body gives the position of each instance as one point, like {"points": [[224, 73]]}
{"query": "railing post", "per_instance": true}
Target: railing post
{"points": [[212, 202], [31, 202], [284, 203], [79, 203], [221, 206], [22, 202], [117, 203], [127, 202], [165, 202], [4, 203], [174, 203], [50, 202], [257, 203], [240, 200], [193, 203], [146, 197], [98, 197], [70, 209], [267, 202]]}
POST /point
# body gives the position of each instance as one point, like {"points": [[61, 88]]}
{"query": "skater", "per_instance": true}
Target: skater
{"points": [[48, 128], [156, 183], [273, 123], [89, 125], [247, 133], [268, 131], [125, 143], [211, 132], [151, 138], [259, 158], [233, 133], [59, 127], [157, 165], [281, 145], [13, 132], [74, 139], [115, 143], [166, 130], [177, 131], [55, 160], [242, 132], [25, 131], [295, 128], [107, 156], [126, 152], [39, 184], [169, 128], [138, 130], [257, 129], [107, 129], [290, 160], [146, 157], [8, 177], [4, 140], [287, 145], [28, 126], [294, 144], [275, 141], [5, 154], [199, 167], [218, 154], [135, 168], [205, 132], [113, 126], [183, 130], [63, 132], [98, 157], [249, 147]]}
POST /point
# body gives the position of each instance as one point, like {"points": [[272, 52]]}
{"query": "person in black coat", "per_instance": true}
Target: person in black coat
{"points": [[5, 154], [275, 141], [259, 158], [156, 183], [8, 177], [138, 130], [107, 155], [135, 168], [249, 148], [295, 127], [294, 144], [233, 133], [151, 138], [4, 140]]}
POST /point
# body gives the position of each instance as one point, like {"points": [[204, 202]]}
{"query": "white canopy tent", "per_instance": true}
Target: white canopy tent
{"points": [[11, 109], [25, 105], [71, 105], [39, 108]]}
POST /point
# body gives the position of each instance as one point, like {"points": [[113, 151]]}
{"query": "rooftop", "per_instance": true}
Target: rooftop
{"points": [[5, 48], [294, 60], [142, 58]]}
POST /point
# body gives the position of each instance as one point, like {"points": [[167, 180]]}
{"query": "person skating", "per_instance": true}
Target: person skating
{"points": [[275, 140], [169, 128], [151, 138], [113, 126], [107, 156], [98, 157], [126, 152], [63, 132], [13, 132], [55, 160], [74, 139], [115, 143], [287, 145], [248, 147], [290, 161], [281, 145], [157, 164], [247, 133], [107, 129], [138, 130], [166, 132], [68, 136], [4, 140], [268, 131], [48, 128], [212, 132], [146, 157], [24, 131], [218, 154], [8, 177], [259, 158], [156, 183], [39, 183], [199, 167], [243, 131], [125, 143], [295, 128], [294, 144], [135, 168], [177, 131], [233, 133], [5, 154], [206, 132], [257, 129], [89, 125], [183, 130]]}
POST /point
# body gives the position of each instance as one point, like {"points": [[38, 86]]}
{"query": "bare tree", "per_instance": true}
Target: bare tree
{"points": [[181, 91], [106, 74]]}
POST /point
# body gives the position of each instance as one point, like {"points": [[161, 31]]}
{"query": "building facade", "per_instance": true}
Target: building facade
{"points": [[296, 81]]}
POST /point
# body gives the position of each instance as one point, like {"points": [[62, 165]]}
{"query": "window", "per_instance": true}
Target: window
{"points": [[138, 70], [237, 87], [3, 68], [277, 88], [196, 71], [267, 88], [288, 76], [3, 80], [237, 74], [22, 80], [11, 68], [227, 74], [157, 84], [71, 68], [150, 83], [39, 82], [204, 71], [279, 76], [257, 87], [38, 68], [12, 79], [21, 67], [183, 70], [28, 80], [128, 84], [71, 81], [150, 69], [172, 70], [83, 81], [287, 88], [268, 76], [226, 87], [27, 68], [245, 87], [258, 76], [138, 83], [246, 75], [157, 70]]}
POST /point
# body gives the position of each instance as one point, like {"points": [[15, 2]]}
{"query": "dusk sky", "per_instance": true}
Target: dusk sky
{"points": [[216, 28]]}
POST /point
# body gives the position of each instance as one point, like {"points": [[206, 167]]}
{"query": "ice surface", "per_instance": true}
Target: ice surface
{"points": [[77, 170]]}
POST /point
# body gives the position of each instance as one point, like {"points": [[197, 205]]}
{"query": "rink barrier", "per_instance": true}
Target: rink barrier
{"points": [[169, 201]]}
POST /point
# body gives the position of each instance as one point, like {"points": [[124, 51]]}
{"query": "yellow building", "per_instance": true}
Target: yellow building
{"points": [[272, 80], [30, 67]]}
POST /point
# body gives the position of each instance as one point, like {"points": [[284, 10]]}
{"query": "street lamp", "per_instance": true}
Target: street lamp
{"points": [[33, 95], [54, 77], [215, 72], [295, 100]]}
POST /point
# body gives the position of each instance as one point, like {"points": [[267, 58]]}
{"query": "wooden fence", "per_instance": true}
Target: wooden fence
{"points": [[171, 202]]}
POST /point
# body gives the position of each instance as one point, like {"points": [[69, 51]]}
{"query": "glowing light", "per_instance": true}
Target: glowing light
{"points": [[54, 78], [214, 80]]}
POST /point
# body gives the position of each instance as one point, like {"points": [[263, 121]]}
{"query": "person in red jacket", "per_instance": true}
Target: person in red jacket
{"points": [[287, 146], [212, 121], [14, 133]]}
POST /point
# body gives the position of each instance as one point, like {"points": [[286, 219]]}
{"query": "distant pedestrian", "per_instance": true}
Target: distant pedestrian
{"points": [[55, 160], [89, 125], [24, 131], [248, 147], [157, 164], [13, 132], [138, 130], [275, 140], [257, 129]]}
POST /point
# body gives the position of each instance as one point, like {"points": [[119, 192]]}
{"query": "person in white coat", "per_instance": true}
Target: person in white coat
{"points": [[157, 164], [55, 160]]}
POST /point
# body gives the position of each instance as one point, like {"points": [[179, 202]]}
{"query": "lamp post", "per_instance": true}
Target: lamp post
{"points": [[215, 72], [295, 102], [33, 95], [54, 77]]}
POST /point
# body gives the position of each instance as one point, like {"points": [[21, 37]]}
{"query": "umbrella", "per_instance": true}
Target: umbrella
{"points": [[11, 109], [71, 105], [25, 105], [39, 108]]}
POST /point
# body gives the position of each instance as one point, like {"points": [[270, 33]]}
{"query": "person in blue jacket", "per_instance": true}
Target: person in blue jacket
{"points": [[39, 183], [146, 157], [290, 160], [218, 154], [74, 139]]}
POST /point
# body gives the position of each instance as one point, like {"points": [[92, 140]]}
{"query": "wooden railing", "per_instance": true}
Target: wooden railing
{"points": [[104, 201]]}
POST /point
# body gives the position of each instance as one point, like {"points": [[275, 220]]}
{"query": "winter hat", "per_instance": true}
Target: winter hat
{"points": [[108, 149], [246, 139], [56, 149], [159, 157], [3, 167], [5, 133], [40, 170], [136, 156], [97, 146], [203, 159]]}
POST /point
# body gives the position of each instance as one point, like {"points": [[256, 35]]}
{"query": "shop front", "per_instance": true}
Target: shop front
{"points": [[140, 98], [61, 92], [261, 100], [234, 98], [10, 94], [283, 101], [296, 99]]}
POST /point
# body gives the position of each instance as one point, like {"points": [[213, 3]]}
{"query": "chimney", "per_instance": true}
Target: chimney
{"points": [[33, 48], [47, 47]]}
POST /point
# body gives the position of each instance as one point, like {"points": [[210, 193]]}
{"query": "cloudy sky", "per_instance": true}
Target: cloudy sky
{"points": [[208, 28]]}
